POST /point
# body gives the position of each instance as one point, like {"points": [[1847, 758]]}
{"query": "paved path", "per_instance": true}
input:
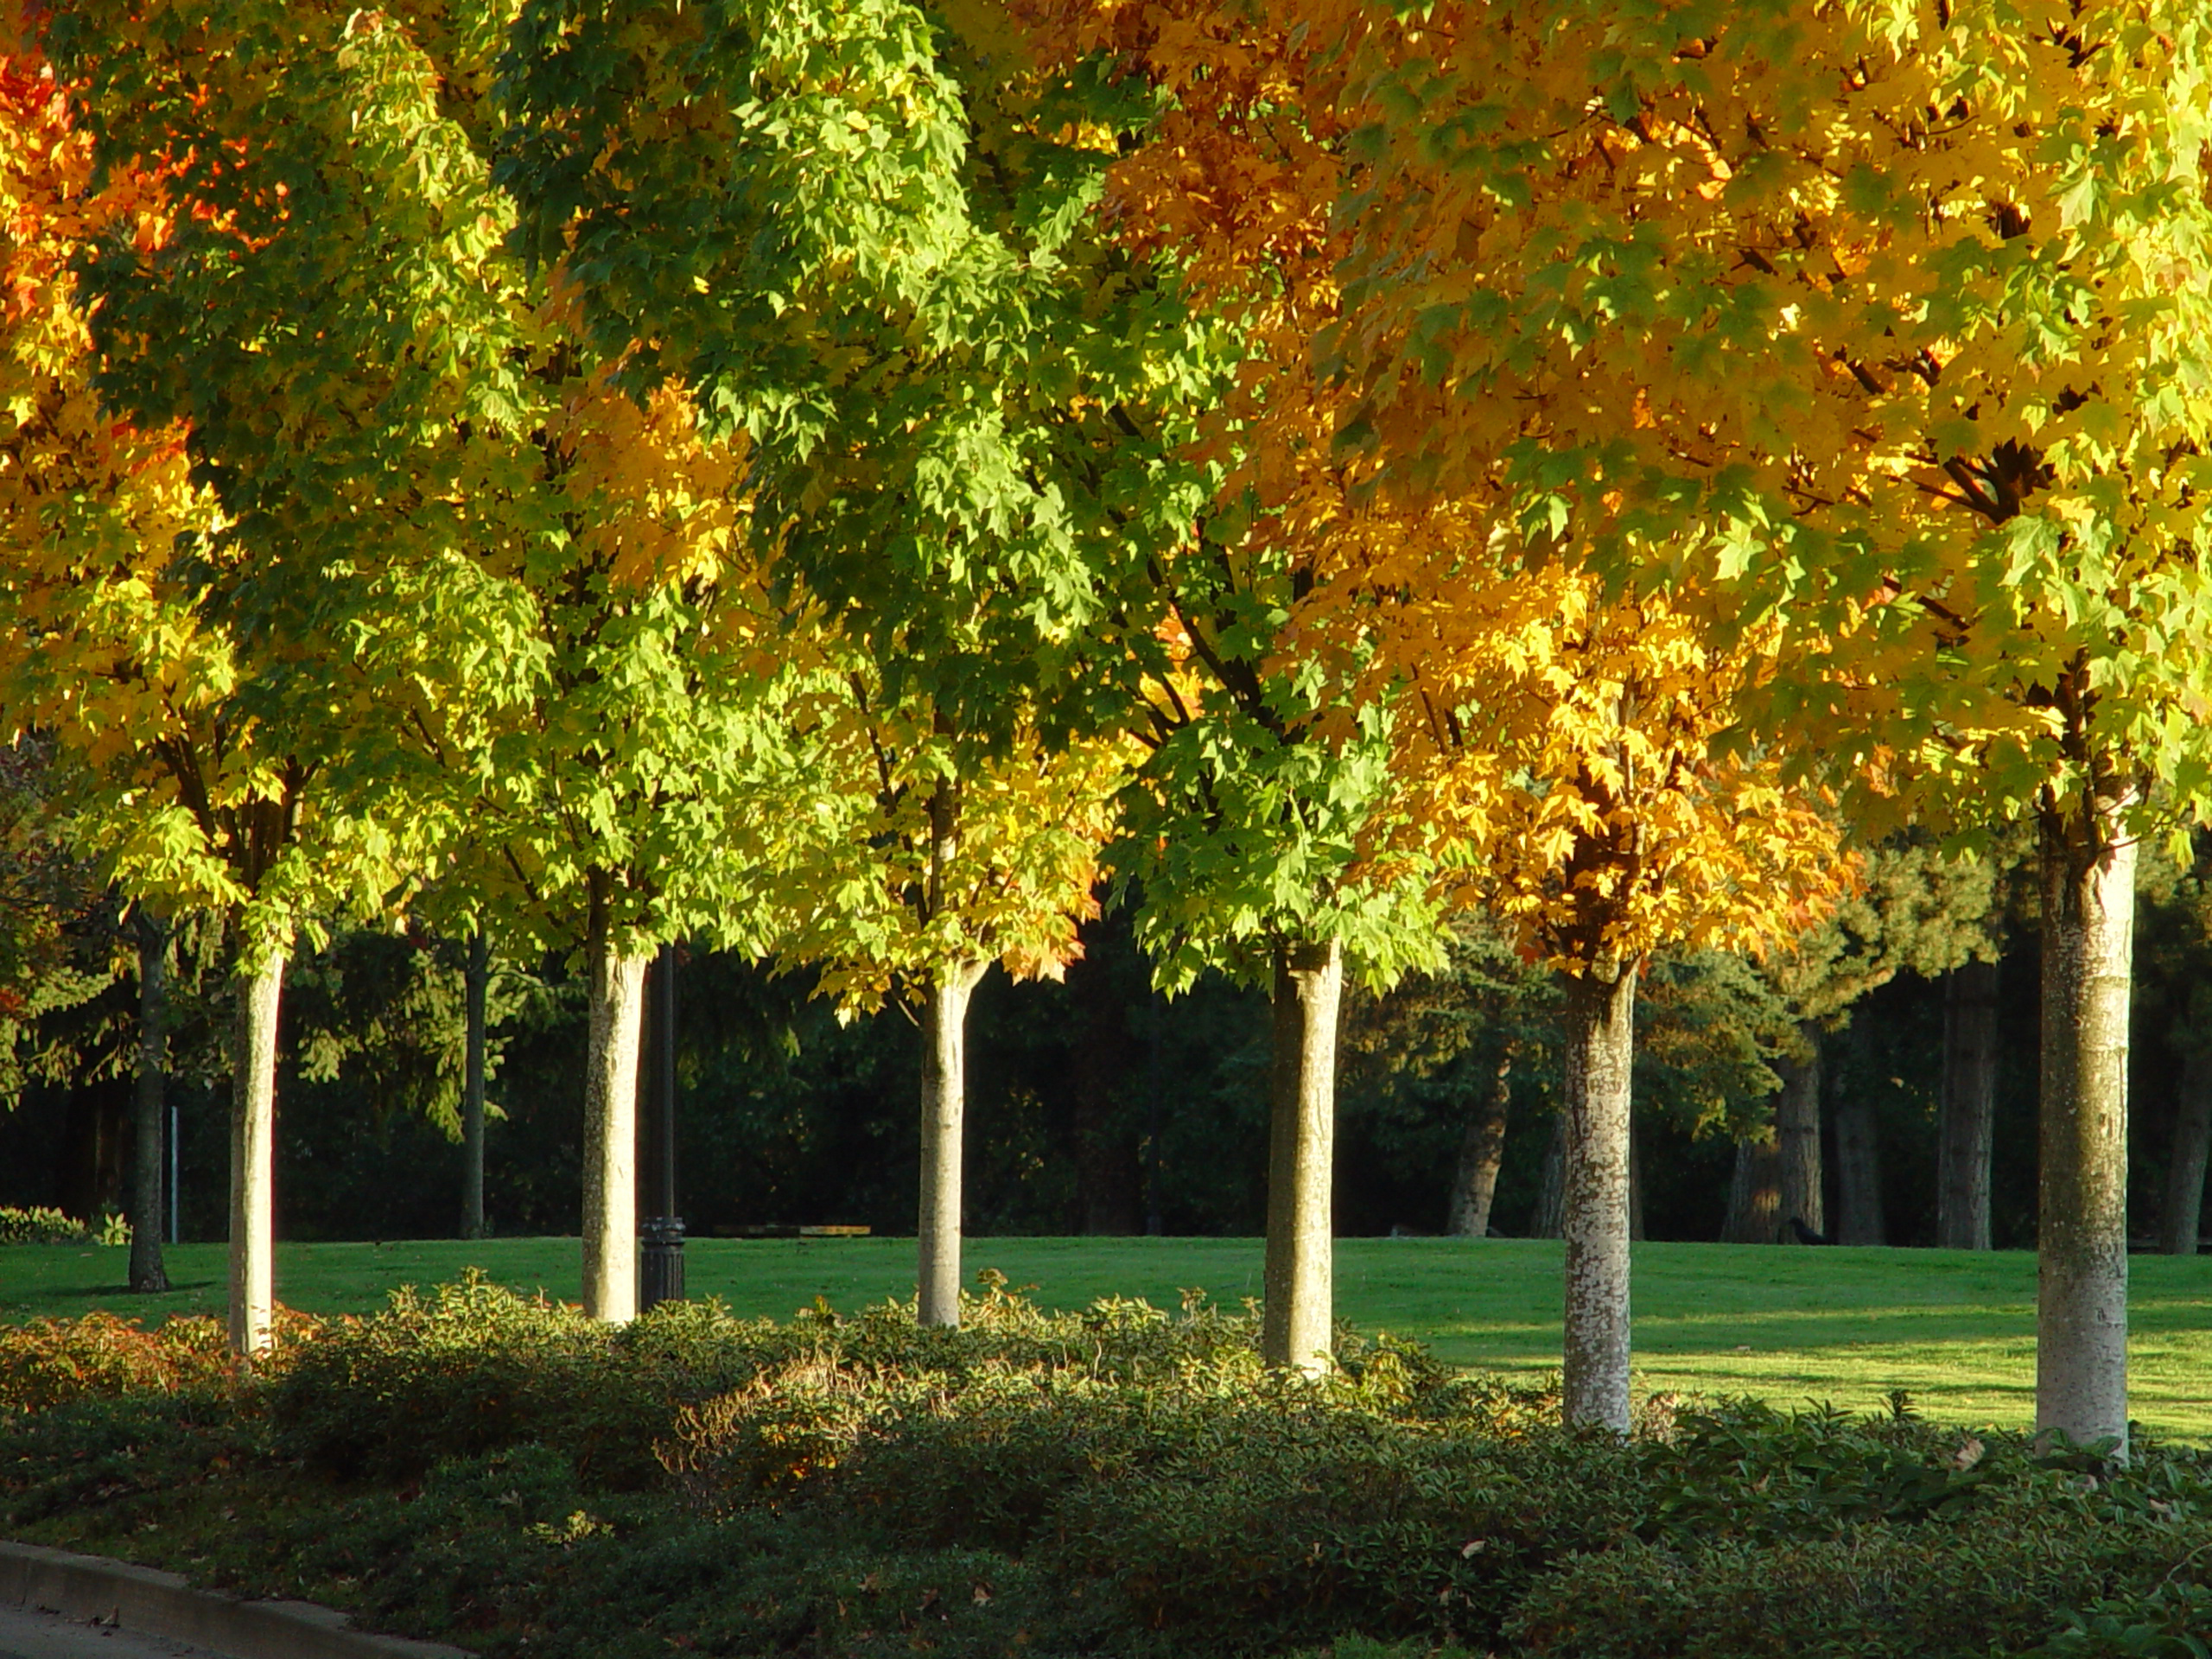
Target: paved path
{"points": [[27, 1635]]}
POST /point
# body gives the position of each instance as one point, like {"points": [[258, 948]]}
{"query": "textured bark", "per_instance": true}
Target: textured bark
{"points": [[1299, 1309], [1857, 1173], [1967, 1112], [478, 979], [1754, 1195], [1551, 1184], [2183, 1215], [253, 1157], [150, 1110], [616, 1017], [944, 1044], [1600, 1050], [2088, 914], [1797, 1137], [1482, 1148]]}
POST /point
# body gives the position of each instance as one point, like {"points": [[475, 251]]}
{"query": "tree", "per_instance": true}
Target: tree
{"points": [[909, 878], [1249, 834], [876, 275], [2180, 1217], [473, 1106], [1918, 910], [1928, 380], [2171, 954], [1262, 836], [147, 1177], [1968, 1109], [620, 799], [1558, 736], [55, 917], [1469, 1038], [1966, 1127], [185, 777], [1261, 831], [1574, 758], [514, 577]]}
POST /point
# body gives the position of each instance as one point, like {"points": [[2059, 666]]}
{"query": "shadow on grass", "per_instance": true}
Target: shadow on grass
{"points": [[90, 1293]]}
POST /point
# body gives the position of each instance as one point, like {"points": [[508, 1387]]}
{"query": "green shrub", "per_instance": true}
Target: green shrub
{"points": [[1124, 1482], [50, 1362], [96, 1456], [1745, 1469], [1814, 1534], [2173, 1621], [473, 1367], [39, 1226], [1868, 1592]]}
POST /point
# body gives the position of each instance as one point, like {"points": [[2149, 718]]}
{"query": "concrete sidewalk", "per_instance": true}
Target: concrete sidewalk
{"points": [[156, 1607], [27, 1635]]}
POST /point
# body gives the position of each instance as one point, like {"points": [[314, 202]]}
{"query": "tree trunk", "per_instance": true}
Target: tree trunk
{"points": [[1299, 1309], [2088, 914], [147, 1165], [2179, 1222], [1858, 1172], [1797, 1135], [616, 1015], [1551, 1184], [1964, 1129], [253, 1156], [477, 980], [1600, 1053], [1754, 1195], [1482, 1148], [945, 1098]]}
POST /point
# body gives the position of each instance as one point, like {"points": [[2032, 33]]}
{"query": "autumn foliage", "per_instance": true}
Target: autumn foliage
{"points": [[840, 480]]}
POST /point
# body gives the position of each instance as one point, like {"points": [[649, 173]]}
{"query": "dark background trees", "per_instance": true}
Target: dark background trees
{"points": [[1098, 1104]]}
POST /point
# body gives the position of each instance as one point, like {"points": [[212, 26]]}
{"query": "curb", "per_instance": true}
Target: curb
{"points": [[155, 1603]]}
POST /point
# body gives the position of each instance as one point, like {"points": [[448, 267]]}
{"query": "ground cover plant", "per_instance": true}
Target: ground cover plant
{"points": [[41, 1225], [1796, 1327], [496, 1470], [827, 481]]}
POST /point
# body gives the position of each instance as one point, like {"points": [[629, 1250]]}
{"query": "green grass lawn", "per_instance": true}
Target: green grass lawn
{"points": [[1955, 1330]]}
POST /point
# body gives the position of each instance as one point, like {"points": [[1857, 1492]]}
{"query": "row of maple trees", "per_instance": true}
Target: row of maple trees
{"points": [[844, 482]]}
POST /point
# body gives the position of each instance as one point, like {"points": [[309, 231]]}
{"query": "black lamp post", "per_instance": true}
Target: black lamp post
{"points": [[662, 1268]]}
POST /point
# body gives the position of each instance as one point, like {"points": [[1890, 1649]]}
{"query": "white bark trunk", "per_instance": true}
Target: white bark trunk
{"points": [[615, 1016], [945, 1099], [1299, 1310], [1600, 1053], [253, 1157], [2088, 914]]}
